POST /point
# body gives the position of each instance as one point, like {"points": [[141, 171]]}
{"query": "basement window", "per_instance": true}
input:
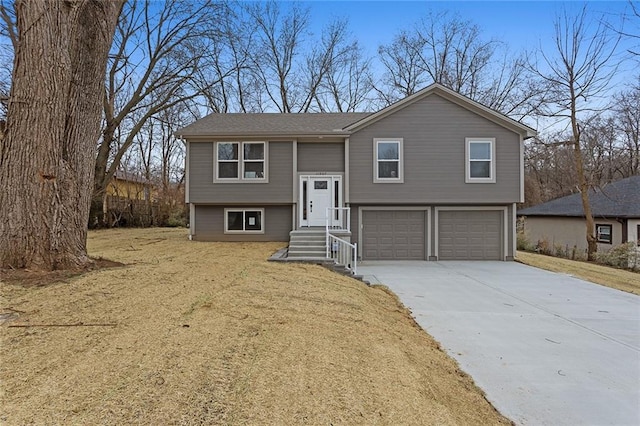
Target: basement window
{"points": [[243, 221]]}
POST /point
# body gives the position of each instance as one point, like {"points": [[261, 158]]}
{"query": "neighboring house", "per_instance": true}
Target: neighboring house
{"points": [[130, 186], [129, 200], [561, 222], [432, 177]]}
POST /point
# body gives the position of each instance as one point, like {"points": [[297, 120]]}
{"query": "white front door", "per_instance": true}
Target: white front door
{"points": [[319, 200], [317, 193]]}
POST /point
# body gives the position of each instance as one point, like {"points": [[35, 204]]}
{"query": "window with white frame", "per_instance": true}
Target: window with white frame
{"points": [[603, 233], [244, 220], [241, 161], [480, 162], [388, 161]]}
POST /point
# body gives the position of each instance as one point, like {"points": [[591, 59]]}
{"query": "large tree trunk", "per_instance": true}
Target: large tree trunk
{"points": [[592, 245], [53, 123]]}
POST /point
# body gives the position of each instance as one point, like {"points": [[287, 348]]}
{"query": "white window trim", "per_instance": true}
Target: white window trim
{"points": [[244, 211], [241, 163], [400, 177], [608, 225], [467, 161]]}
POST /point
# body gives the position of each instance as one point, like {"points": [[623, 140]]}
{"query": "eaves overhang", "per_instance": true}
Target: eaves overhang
{"points": [[271, 136]]}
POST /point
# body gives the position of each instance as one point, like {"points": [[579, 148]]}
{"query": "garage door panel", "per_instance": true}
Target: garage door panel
{"points": [[400, 234], [470, 235]]}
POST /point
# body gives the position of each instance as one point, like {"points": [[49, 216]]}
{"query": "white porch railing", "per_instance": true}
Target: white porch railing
{"points": [[342, 252], [339, 218]]}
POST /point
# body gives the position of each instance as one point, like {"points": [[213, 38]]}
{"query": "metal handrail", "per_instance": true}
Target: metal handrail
{"points": [[339, 215], [343, 252]]}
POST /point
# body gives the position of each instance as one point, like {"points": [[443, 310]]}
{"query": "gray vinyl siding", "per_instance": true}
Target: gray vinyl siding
{"points": [[279, 188], [434, 131], [209, 224], [320, 157]]}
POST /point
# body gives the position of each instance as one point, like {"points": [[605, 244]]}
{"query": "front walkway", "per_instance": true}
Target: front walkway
{"points": [[547, 348]]}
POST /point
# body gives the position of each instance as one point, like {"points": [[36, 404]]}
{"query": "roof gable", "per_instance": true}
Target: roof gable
{"points": [[617, 199], [452, 96]]}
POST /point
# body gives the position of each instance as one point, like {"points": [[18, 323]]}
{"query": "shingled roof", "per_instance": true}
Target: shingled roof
{"points": [[620, 199], [272, 124], [330, 124]]}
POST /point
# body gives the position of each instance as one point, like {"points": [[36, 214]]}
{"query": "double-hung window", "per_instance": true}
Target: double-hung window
{"points": [[603, 233], [480, 163], [241, 161], [243, 221], [388, 161]]}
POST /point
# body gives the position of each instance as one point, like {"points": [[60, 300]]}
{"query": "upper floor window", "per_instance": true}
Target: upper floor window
{"points": [[241, 160], [388, 161], [480, 162], [603, 233]]}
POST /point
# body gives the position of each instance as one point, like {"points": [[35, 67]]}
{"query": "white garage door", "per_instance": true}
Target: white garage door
{"points": [[393, 235], [470, 235]]}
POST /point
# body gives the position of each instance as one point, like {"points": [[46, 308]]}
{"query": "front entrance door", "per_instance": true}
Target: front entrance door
{"points": [[317, 193], [319, 200]]}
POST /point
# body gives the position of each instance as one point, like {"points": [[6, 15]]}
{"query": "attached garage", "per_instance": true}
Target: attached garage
{"points": [[470, 234], [393, 234]]}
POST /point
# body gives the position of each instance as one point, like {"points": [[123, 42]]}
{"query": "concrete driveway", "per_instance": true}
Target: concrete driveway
{"points": [[547, 348]]}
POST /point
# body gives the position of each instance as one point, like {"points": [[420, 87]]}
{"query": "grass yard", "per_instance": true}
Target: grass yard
{"points": [[211, 333], [604, 275]]}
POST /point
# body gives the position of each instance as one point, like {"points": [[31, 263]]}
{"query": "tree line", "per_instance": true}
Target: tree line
{"points": [[170, 62]]}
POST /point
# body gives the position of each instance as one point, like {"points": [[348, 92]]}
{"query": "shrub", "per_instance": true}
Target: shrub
{"points": [[177, 217], [523, 243], [560, 251], [623, 256], [544, 247]]}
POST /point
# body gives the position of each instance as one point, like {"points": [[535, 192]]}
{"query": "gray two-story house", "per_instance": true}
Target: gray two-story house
{"points": [[435, 176]]}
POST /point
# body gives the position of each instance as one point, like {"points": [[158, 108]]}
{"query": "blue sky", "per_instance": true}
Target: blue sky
{"points": [[521, 24]]}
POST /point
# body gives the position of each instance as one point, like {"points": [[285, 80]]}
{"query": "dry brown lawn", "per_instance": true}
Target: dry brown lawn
{"points": [[212, 333], [604, 275]]}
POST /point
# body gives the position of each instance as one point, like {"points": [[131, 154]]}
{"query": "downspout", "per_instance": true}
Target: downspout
{"points": [[625, 229]]}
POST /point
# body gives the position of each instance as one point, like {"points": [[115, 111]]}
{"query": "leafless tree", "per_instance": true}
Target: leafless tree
{"points": [[446, 49], [633, 20], [404, 74], [279, 38], [348, 84], [627, 119], [336, 76], [549, 171], [265, 58], [577, 76], [228, 63], [53, 121], [158, 49]]}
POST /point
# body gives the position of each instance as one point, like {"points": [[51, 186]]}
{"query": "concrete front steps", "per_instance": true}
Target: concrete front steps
{"points": [[308, 243]]}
